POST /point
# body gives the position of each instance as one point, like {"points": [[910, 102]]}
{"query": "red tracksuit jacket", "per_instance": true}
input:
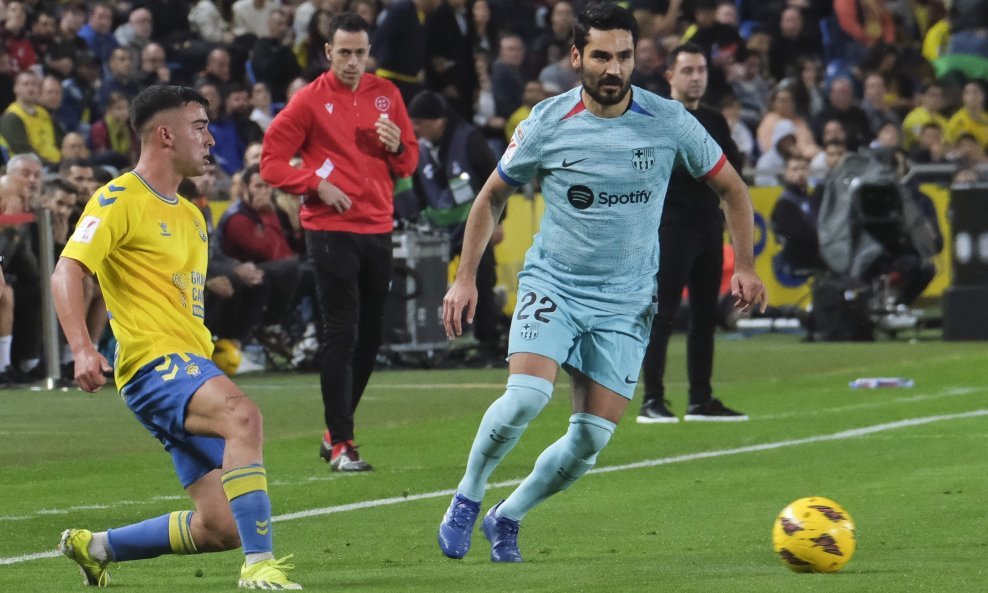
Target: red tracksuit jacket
{"points": [[332, 129]]}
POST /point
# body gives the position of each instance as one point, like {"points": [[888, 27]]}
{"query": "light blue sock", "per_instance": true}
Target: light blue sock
{"points": [[505, 420], [561, 464]]}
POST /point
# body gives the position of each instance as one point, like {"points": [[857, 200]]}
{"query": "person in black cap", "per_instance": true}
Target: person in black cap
{"points": [[454, 162]]}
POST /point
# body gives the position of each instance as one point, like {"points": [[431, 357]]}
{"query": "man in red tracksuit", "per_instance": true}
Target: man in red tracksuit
{"points": [[354, 136]]}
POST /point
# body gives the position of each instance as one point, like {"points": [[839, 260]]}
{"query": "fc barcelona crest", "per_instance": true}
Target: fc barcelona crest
{"points": [[643, 158], [529, 330]]}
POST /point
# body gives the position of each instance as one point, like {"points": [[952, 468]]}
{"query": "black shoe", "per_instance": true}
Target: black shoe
{"points": [[14, 377], [656, 412], [713, 411]]}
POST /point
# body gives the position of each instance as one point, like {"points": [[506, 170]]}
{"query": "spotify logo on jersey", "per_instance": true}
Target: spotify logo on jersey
{"points": [[580, 196]]}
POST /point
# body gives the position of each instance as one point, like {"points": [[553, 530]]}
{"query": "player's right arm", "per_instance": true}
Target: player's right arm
{"points": [[105, 223], [518, 164], [68, 294], [484, 216]]}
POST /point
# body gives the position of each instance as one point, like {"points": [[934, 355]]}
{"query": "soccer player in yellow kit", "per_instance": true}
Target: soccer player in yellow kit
{"points": [[148, 249]]}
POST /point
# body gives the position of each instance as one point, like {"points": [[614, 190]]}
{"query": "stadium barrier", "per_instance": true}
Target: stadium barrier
{"points": [[524, 213]]}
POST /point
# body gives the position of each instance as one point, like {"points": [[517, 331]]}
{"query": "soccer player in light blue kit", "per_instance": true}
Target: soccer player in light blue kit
{"points": [[586, 297]]}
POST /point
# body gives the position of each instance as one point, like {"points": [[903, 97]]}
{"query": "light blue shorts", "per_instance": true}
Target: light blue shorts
{"points": [[606, 346], [158, 394]]}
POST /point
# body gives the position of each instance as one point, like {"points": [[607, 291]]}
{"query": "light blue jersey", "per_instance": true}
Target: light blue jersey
{"points": [[604, 183]]}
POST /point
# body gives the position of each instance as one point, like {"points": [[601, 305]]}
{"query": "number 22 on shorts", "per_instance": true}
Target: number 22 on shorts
{"points": [[546, 306]]}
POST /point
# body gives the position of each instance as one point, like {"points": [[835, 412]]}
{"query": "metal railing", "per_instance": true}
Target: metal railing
{"points": [[49, 321]]}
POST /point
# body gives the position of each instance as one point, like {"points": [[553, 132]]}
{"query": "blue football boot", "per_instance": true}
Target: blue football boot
{"points": [[457, 526], [502, 532]]}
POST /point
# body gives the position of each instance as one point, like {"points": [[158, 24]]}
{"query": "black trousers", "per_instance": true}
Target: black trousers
{"points": [[691, 256], [269, 302], [487, 319], [238, 316], [283, 276], [353, 277]]}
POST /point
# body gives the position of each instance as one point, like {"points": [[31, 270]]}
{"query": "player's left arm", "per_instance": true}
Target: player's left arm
{"points": [[746, 287]]}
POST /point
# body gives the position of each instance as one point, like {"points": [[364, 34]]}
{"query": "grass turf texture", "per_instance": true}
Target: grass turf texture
{"points": [[917, 493]]}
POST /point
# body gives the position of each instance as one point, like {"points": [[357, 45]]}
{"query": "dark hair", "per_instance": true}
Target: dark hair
{"points": [[931, 124], [161, 97], [234, 87], [66, 165], [603, 16], [315, 37], [350, 22], [247, 174], [71, 7], [60, 184], [728, 100], [705, 5], [115, 97], [100, 4], [687, 48]]}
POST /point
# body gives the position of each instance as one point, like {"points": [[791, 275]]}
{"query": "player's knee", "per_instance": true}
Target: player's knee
{"points": [[588, 435], [245, 420], [524, 398]]}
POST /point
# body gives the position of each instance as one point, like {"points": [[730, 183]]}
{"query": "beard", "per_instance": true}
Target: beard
{"points": [[605, 97]]}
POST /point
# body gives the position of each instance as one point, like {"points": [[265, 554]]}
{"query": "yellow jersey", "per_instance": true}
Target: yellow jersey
{"points": [[964, 123], [149, 253]]}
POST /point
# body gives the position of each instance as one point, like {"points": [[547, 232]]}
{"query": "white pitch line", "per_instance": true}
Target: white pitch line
{"points": [[877, 402], [27, 557], [367, 504], [392, 387]]}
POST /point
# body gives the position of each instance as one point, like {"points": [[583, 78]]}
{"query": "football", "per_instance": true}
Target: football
{"points": [[814, 534]]}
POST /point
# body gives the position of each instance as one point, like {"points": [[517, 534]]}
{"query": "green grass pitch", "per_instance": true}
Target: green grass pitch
{"points": [[682, 508]]}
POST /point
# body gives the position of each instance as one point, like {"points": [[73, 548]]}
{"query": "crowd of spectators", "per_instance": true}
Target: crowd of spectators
{"points": [[812, 79]]}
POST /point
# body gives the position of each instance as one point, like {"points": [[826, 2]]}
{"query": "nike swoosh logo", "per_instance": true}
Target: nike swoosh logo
{"points": [[630, 381], [571, 163]]}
